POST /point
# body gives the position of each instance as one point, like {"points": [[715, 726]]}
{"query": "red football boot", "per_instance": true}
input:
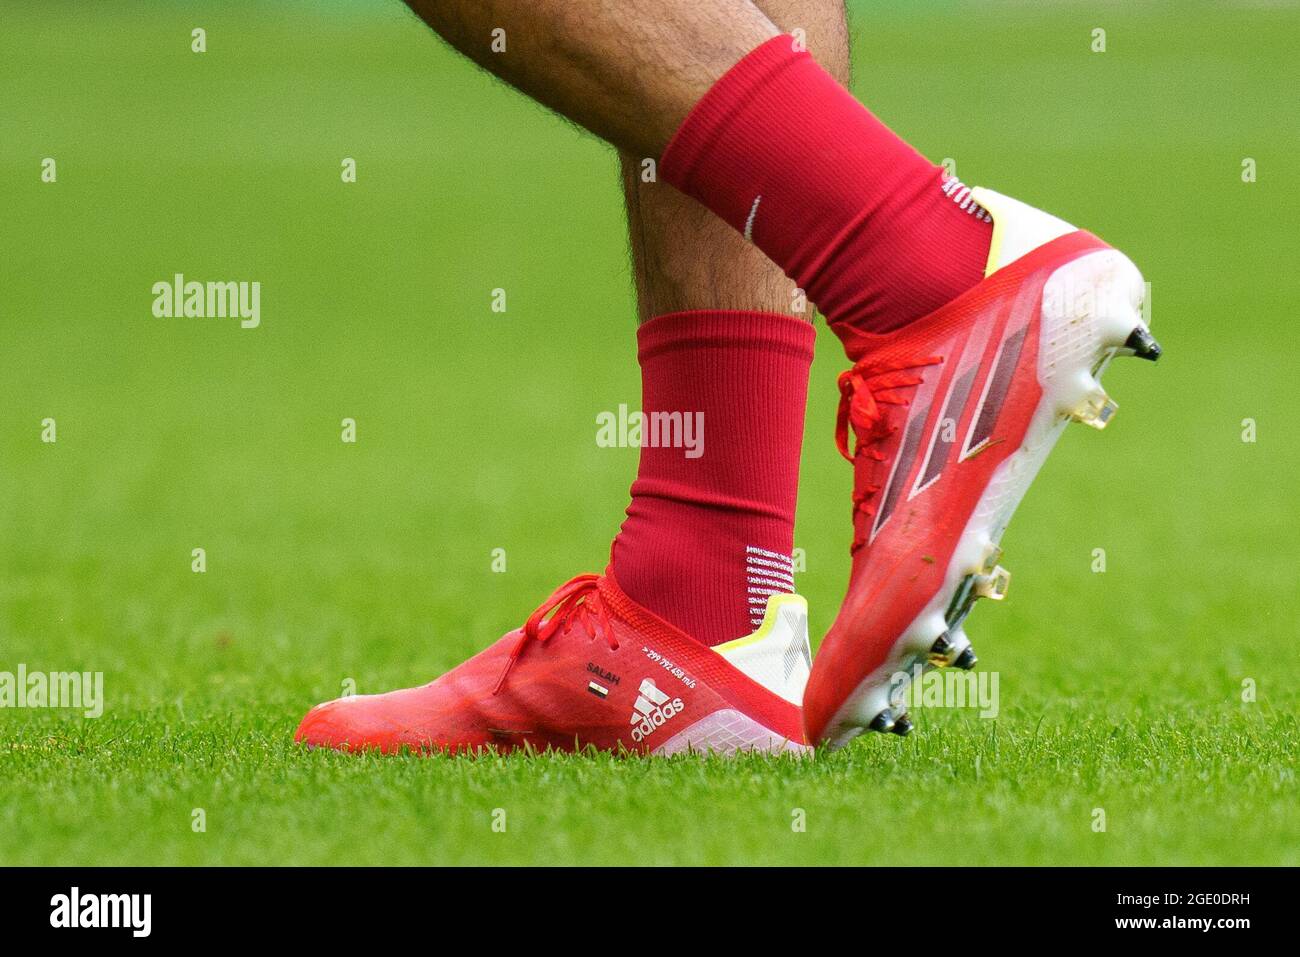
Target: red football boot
{"points": [[590, 667], [953, 415]]}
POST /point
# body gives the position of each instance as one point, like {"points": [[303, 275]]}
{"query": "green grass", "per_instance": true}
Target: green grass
{"points": [[371, 562]]}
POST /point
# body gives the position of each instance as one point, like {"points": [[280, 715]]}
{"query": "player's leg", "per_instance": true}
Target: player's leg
{"points": [[627, 72], [707, 541], [705, 549], [960, 384], [861, 221], [684, 256], [704, 552]]}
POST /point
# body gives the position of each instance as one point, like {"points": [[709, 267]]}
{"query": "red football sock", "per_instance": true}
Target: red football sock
{"points": [[860, 220], [710, 529]]}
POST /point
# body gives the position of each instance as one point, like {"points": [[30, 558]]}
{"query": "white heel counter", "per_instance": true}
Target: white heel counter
{"points": [[1018, 228], [777, 655]]}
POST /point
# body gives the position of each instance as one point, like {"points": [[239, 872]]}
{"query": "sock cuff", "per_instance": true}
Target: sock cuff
{"points": [[707, 120], [695, 329]]}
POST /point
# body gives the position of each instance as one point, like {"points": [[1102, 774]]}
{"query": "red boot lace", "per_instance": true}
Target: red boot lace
{"points": [[576, 602], [864, 389]]}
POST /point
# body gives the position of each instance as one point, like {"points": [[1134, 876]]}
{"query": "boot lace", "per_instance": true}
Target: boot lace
{"points": [[865, 390], [575, 603]]}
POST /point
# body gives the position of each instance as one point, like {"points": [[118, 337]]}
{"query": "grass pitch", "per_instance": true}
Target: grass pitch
{"points": [[371, 562]]}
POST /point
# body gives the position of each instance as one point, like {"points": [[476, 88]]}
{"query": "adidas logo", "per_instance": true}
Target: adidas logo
{"points": [[651, 710]]}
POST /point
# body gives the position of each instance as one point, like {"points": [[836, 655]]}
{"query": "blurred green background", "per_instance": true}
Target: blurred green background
{"points": [[371, 561]]}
